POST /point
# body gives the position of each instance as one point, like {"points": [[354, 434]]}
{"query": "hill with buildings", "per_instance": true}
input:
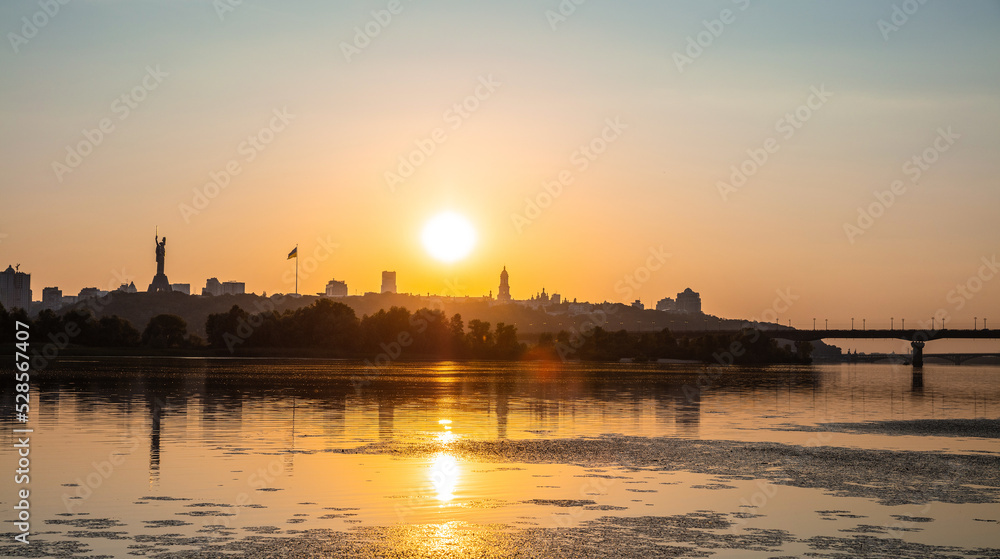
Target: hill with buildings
{"points": [[531, 318], [540, 314]]}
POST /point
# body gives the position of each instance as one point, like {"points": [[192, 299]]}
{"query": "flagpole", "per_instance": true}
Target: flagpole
{"points": [[296, 269]]}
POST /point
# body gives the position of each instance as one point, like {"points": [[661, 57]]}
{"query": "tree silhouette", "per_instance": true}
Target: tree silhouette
{"points": [[218, 325], [165, 331], [114, 331]]}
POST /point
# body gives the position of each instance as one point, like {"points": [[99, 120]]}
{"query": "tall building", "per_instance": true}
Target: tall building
{"points": [[388, 282], [51, 298], [212, 287], [15, 289], [336, 288], [666, 304], [689, 301], [234, 288], [503, 295]]}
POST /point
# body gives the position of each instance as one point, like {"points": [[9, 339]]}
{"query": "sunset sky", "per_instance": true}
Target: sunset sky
{"points": [[334, 112]]}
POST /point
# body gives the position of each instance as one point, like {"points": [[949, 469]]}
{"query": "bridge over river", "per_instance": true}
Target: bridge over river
{"points": [[917, 338]]}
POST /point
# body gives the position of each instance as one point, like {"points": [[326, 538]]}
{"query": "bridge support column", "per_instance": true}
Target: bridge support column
{"points": [[918, 353]]}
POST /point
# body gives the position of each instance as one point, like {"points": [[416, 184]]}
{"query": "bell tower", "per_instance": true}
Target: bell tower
{"points": [[503, 295]]}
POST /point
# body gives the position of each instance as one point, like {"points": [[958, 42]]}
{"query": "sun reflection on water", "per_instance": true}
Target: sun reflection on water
{"points": [[444, 473], [445, 437]]}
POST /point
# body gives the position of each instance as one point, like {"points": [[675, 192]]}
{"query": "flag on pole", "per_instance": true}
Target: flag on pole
{"points": [[295, 254]]}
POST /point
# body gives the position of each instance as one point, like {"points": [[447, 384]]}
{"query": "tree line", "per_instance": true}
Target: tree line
{"points": [[325, 325], [335, 329], [80, 327], [747, 347]]}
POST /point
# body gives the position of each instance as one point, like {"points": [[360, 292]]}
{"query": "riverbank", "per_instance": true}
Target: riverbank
{"points": [[319, 353]]}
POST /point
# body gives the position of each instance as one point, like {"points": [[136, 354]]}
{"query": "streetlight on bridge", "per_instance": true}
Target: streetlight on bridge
{"points": [[826, 323], [814, 324], [975, 323], [892, 323], [903, 327], [852, 323], [863, 320]]}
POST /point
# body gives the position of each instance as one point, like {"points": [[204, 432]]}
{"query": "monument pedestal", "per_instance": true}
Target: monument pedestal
{"points": [[160, 283]]}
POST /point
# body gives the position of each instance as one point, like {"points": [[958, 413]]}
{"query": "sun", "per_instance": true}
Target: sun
{"points": [[448, 237]]}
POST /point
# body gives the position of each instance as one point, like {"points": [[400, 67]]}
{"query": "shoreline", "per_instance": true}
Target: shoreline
{"points": [[316, 353]]}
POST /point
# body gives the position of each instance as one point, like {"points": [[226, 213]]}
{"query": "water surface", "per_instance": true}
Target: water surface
{"points": [[172, 456]]}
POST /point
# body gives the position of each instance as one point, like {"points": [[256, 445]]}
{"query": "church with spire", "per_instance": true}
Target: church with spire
{"points": [[503, 295]]}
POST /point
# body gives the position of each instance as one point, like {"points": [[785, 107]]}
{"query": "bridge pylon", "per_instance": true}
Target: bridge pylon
{"points": [[918, 354]]}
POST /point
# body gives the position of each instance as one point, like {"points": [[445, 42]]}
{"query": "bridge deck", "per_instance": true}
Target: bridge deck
{"points": [[896, 334]]}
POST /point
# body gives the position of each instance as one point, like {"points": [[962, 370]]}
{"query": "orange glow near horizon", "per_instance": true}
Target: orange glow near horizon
{"points": [[355, 156]]}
